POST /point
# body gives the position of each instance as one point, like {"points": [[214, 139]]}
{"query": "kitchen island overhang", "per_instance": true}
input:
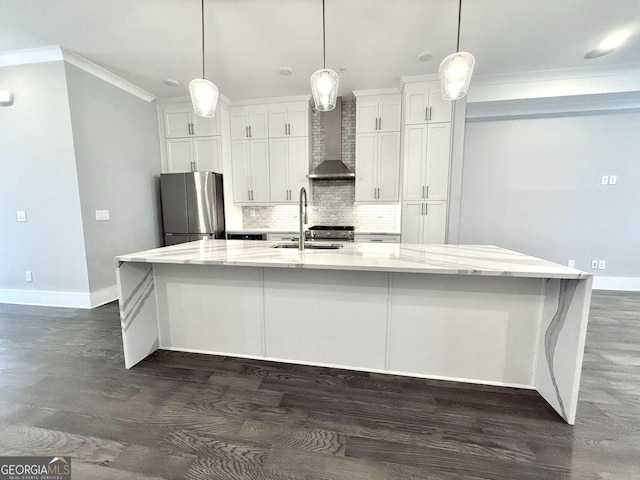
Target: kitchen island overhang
{"points": [[470, 313]]}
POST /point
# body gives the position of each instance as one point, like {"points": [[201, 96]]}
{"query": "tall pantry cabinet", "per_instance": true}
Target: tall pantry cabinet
{"points": [[427, 149]]}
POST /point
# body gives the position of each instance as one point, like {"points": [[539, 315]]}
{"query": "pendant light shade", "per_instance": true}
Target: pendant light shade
{"points": [[455, 75], [324, 88], [456, 69], [204, 94], [324, 82]]}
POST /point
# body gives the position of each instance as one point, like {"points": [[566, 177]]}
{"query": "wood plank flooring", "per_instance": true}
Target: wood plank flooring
{"points": [[64, 391]]}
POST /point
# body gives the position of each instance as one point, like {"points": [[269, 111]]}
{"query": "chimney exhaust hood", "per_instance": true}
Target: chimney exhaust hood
{"points": [[332, 168]]}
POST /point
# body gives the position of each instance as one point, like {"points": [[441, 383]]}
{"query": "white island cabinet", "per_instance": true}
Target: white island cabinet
{"points": [[468, 313]]}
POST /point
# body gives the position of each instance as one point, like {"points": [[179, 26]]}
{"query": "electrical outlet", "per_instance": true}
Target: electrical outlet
{"points": [[571, 263], [22, 216], [28, 276], [613, 179], [594, 264], [253, 213], [602, 265], [102, 215], [604, 180]]}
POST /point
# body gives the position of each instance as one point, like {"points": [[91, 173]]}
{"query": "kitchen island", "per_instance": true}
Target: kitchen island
{"points": [[471, 313]]}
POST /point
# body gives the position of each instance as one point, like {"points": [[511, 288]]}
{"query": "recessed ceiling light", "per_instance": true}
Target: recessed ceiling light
{"points": [[609, 44], [425, 56], [285, 71], [171, 82]]}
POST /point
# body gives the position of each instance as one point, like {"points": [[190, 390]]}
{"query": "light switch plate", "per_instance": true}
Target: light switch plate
{"points": [[602, 265], [22, 216], [102, 215], [613, 179], [571, 263], [604, 180]]}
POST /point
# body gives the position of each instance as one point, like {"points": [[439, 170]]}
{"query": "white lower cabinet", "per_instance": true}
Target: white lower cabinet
{"points": [[202, 154], [288, 168], [377, 237], [250, 160], [424, 222]]}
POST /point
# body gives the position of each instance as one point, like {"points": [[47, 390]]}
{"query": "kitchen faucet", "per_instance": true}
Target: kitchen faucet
{"points": [[303, 217]]}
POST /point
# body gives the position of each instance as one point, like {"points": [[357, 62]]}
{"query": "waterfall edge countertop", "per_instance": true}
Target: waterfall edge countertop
{"points": [[486, 260]]}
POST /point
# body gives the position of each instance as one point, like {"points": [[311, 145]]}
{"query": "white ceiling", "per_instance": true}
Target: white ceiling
{"points": [[147, 41]]}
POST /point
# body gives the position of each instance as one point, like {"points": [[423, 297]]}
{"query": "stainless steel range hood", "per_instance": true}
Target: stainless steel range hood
{"points": [[332, 168]]}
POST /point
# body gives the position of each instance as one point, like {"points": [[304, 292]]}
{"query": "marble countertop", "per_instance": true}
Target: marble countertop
{"points": [[486, 260], [295, 231]]}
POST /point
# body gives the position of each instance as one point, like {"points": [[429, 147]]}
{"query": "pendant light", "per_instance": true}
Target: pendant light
{"points": [[324, 82], [204, 94], [456, 70]]}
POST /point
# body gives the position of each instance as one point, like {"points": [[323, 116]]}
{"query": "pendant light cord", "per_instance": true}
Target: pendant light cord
{"points": [[459, 18], [202, 26], [324, 46]]}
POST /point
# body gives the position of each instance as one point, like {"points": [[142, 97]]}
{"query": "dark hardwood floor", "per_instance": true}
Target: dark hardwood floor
{"points": [[64, 391]]}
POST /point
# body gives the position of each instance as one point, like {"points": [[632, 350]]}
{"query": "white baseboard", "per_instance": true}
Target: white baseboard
{"points": [[59, 299], [103, 296], [629, 284]]}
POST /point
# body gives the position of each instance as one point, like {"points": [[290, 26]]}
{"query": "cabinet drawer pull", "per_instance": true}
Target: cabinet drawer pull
{"points": [[375, 240]]}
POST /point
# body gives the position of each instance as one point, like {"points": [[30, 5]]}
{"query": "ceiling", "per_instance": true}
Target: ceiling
{"points": [[377, 41]]}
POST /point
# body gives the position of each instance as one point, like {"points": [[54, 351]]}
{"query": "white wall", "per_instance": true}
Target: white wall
{"points": [[533, 185], [38, 174], [118, 163]]}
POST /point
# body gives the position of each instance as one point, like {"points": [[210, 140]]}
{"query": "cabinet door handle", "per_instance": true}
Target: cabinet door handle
{"points": [[430, 111], [249, 194], [246, 131], [426, 208], [379, 123], [422, 191], [426, 113], [427, 191], [250, 134]]}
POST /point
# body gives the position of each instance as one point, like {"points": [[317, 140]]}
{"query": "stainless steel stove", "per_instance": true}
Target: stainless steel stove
{"points": [[325, 232]]}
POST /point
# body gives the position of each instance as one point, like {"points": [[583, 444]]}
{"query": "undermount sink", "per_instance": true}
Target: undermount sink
{"points": [[310, 246]]}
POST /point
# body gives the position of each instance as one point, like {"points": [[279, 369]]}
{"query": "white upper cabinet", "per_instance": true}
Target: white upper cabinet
{"points": [[180, 121], [289, 120], [378, 113], [249, 122], [377, 167], [288, 168], [250, 162], [425, 105], [202, 154], [426, 161]]}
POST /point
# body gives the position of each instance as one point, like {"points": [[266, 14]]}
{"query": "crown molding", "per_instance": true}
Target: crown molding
{"points": [[260, 101], [104, 74], [376, 91], [57, 53]]}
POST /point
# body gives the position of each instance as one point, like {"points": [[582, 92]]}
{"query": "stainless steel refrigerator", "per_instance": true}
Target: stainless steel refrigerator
{"points": [[192, 206]]}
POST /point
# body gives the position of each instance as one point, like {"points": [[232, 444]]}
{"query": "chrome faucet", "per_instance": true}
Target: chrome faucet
{"points": [[303, 217]]}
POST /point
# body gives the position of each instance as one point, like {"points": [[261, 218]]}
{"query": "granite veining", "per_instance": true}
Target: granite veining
{"points": [[486, 260]]}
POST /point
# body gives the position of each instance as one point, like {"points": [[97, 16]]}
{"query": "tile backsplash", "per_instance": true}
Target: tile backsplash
{"points": [[331, 201]]}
